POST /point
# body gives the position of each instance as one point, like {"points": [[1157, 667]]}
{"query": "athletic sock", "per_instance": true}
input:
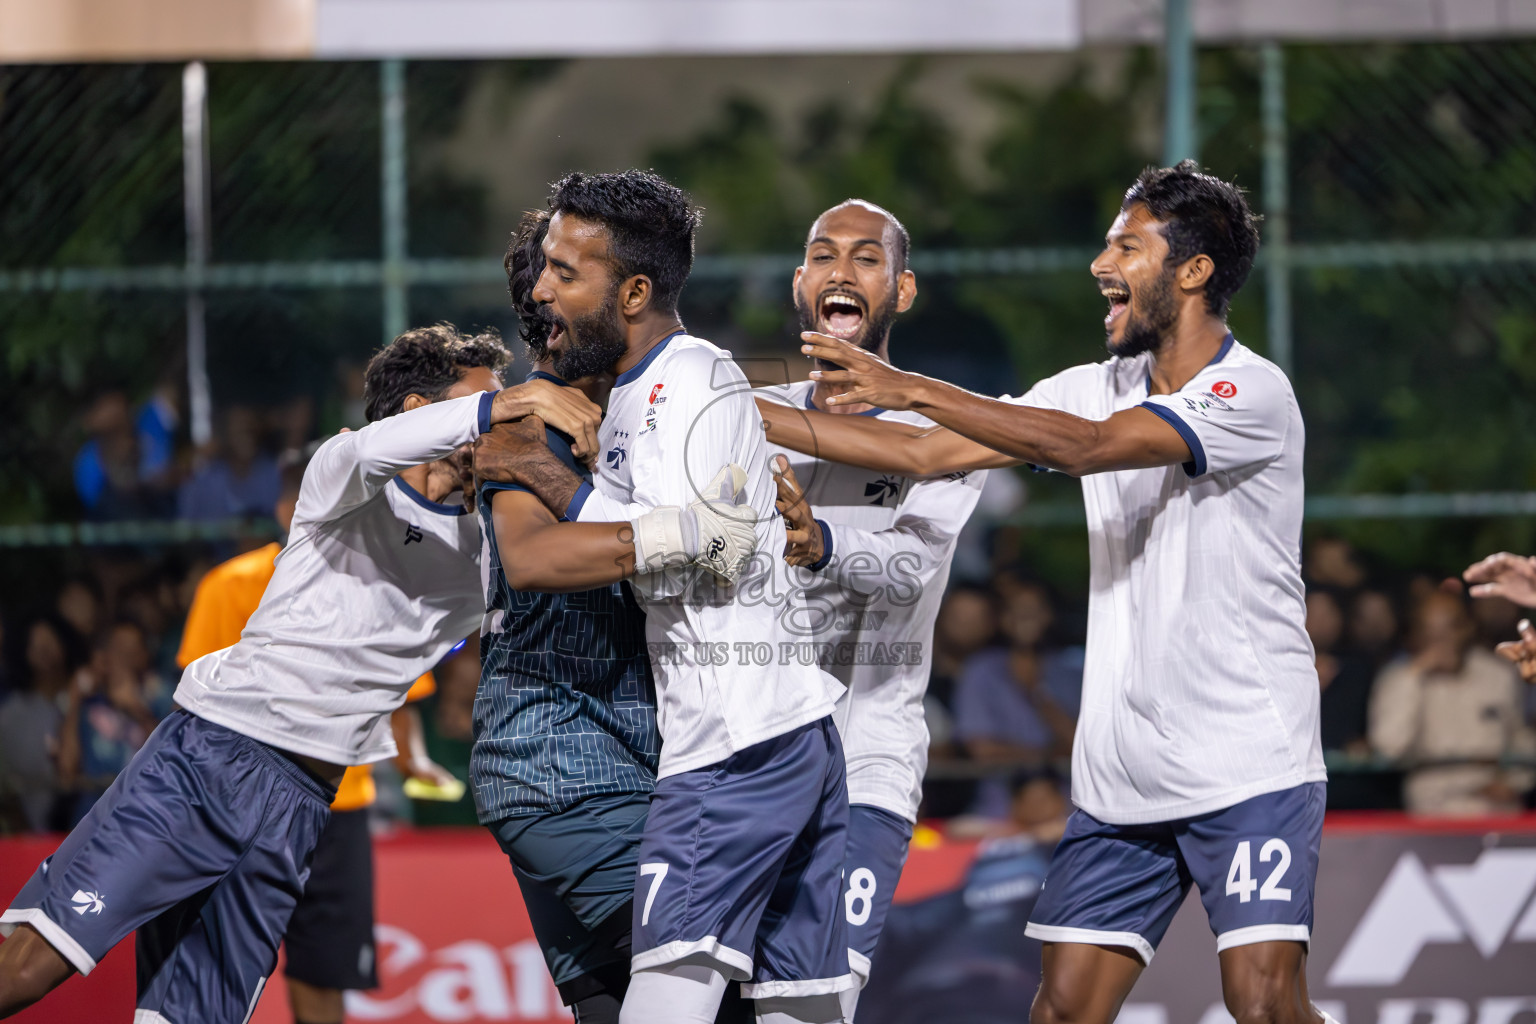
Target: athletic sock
{"points": [[849, 997], [823, 1009], [675, 994]]}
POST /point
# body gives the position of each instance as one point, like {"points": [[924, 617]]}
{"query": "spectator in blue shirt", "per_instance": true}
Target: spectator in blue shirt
{"points": [[1018, 703], [239, 482]]}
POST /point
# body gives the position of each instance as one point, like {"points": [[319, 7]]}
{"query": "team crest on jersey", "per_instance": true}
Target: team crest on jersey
{"points": [[618, 454], [885, 487], [1224, 389]]}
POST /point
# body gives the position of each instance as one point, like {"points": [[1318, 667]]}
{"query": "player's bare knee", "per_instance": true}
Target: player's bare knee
{"points": [[1054, 1005], [1041, 1011], [1264, 994], [1261, 1008]]}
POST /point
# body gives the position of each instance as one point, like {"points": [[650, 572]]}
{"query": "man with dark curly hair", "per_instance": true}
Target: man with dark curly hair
{"points": [[565, 737], [203, 844]]}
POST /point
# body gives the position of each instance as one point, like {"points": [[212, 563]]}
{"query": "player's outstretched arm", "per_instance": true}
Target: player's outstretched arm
{"points": [[903, 558], [714, 532], [540, 553], [1130, 439], [881, 445]]}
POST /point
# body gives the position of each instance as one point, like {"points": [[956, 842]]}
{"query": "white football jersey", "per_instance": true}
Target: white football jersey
{"points": [[374, 586], [891, 540], [1199, 689], [729, 671]]}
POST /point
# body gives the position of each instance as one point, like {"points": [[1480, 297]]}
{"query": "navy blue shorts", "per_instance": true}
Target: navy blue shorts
{"points": [[742, 862], [202, 844], [576, 870], [877, 851], [1120, 885]]}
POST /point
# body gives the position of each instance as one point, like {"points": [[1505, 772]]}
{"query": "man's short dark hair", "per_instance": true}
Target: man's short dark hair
{"points": [[426, 361], [650, 225], [524, 262], [1202, 214]]}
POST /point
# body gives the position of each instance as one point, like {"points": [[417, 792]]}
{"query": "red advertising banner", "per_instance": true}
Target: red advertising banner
{"points": [[1417, 923], [454, 944], [107, 994]]}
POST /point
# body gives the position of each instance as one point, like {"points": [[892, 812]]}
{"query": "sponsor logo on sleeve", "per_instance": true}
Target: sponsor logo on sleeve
{"points": [[1205, 402]]}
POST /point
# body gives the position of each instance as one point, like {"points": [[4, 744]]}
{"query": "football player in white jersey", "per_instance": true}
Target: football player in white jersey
{"points": [[878, 548], [202, 844], [1197, 758], [742, 853]]}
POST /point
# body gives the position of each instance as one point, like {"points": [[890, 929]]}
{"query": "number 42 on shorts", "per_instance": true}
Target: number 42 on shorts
{"points": [[1240, 880]]}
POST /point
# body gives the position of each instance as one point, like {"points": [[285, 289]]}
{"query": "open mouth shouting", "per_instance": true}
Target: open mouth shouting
{"points": [[1119, 297], [841, 315], [557, 331]]}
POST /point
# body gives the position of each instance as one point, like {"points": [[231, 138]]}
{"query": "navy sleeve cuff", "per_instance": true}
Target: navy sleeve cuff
{"points": [[1197, 466], [826, 553], [487, 399], [577, 501]]}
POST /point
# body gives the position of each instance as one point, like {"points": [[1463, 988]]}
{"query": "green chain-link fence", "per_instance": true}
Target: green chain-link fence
{"points": [[1398, 282]]}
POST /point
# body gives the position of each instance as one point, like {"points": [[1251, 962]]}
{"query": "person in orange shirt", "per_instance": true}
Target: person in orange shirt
{"points": [[330, 936]]}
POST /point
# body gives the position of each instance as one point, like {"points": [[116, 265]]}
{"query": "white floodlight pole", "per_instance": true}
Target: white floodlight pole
{"points": [[194, 160]]}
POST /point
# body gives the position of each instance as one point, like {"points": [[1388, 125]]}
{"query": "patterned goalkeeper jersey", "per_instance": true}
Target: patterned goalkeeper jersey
{"points": [[566, 707]]}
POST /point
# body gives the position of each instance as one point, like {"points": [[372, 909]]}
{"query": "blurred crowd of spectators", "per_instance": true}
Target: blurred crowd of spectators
{"points": [[1417, 711], [129, 465], [83, 684]]}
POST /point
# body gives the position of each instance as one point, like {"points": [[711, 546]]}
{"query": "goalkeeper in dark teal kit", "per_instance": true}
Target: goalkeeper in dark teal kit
{"points": [[566, 743], [565, 726]]}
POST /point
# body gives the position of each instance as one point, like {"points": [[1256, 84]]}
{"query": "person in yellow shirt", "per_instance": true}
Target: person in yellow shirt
{"points": [[330, 936]]}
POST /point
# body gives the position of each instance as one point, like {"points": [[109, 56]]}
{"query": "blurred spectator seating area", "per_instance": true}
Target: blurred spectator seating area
{"points": [[1417, 712]]}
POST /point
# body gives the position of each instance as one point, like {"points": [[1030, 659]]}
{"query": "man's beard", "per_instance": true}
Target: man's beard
{"points": [[873, 331], [592, 343], [535, 327], [1144, 332]]}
